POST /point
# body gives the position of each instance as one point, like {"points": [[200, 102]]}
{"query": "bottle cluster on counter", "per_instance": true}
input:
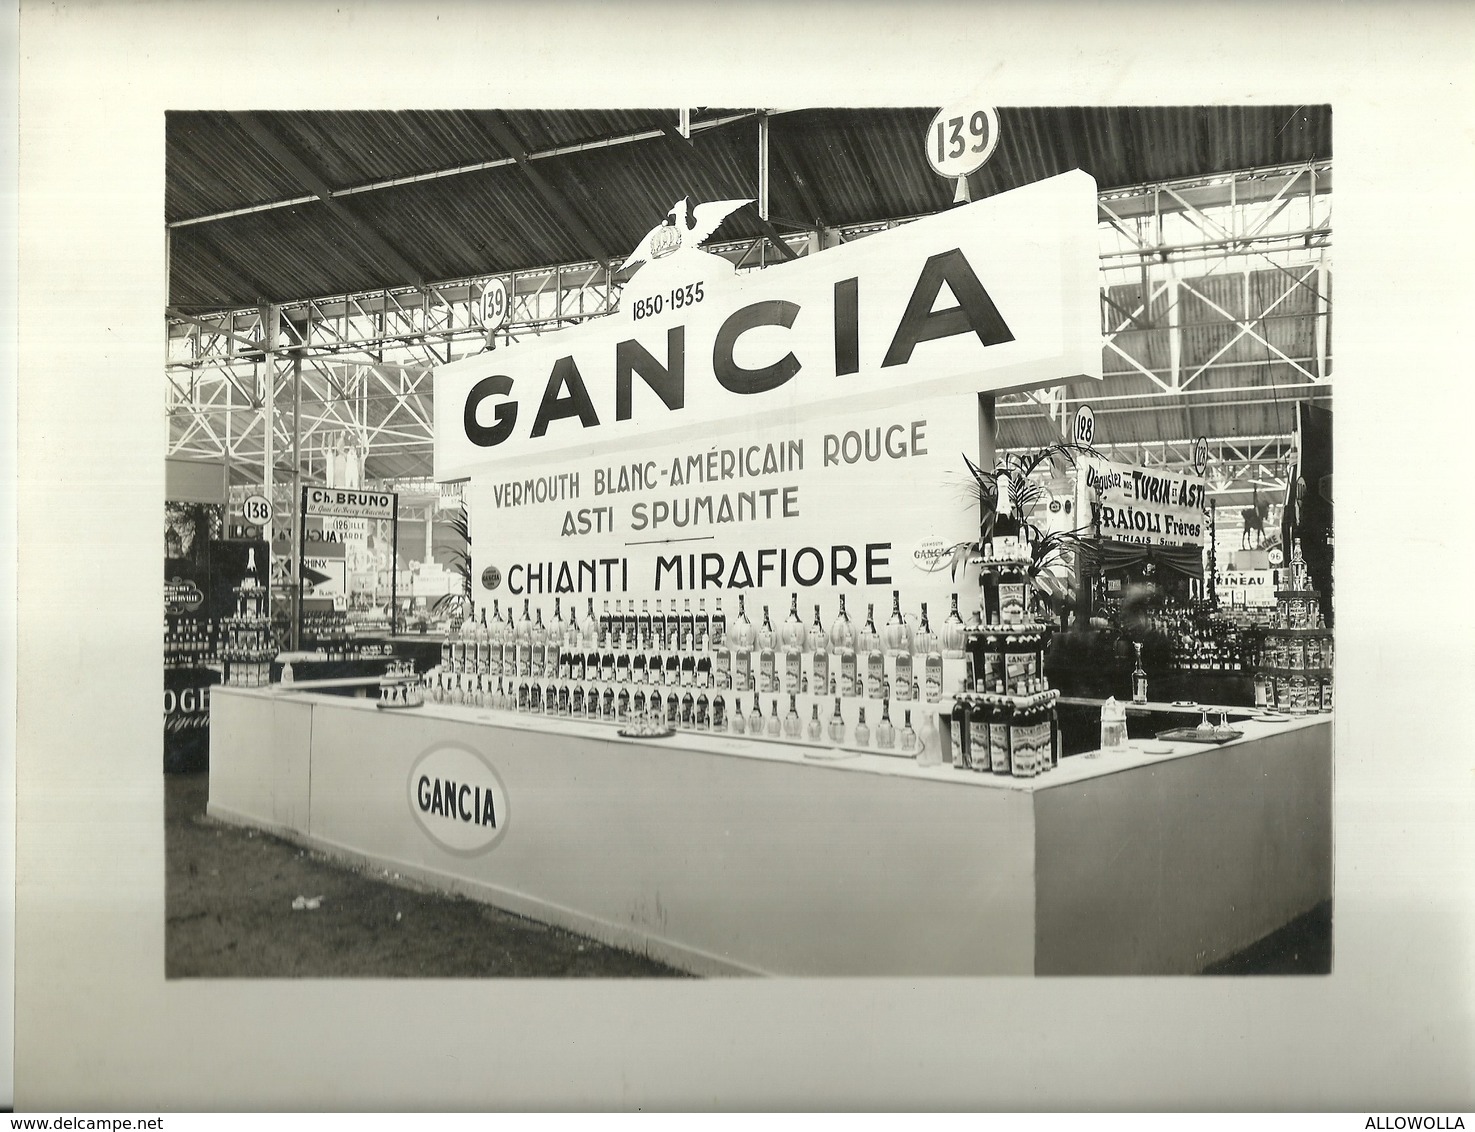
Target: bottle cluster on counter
{"points": [[689, 665], [1004, 719], [247, 646], [1295, 673], [399, 686]]}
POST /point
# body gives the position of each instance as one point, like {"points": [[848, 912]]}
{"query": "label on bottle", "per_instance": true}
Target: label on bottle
{"points": [[742, 670], [875, 674], [932, 678], [902, 689], [1019, 750], [1298, 694], [847, 674], [766, 671], [793, 670], [1283, 693], [820, 679], [998, 747], [719, 714], [1011, 602], [1139, 689], [978, 734], [955, 735], [722, 669]]}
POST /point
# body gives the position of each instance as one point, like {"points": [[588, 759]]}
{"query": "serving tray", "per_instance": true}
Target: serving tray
{"points": [[1193, 735]]}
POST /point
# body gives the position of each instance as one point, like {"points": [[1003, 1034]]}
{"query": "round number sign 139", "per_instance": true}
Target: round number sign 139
{"points": [[961, 138], [496, 306]]}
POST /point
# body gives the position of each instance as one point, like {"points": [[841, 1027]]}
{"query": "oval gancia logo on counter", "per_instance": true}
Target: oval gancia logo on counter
{"points": [[458, 799]]}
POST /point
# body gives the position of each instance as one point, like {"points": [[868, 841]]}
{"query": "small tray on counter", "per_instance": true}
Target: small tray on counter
{"points": [[1194, 735]]}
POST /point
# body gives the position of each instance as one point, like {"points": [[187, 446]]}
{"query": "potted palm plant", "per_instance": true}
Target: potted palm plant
{"points": [[1049, 570], [453, 606]]}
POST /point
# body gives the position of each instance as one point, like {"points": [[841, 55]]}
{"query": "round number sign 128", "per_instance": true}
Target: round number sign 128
{"points": [[1085, 430]]}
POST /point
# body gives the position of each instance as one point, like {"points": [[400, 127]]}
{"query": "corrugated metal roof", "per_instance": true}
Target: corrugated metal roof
{"points": [[850, 166]]}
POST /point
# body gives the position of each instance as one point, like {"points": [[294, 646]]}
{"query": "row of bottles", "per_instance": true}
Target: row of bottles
{"points": [[330, 632], [1018, 736], [189, 642], [1296, 693], [699, 649], [691, 710]]}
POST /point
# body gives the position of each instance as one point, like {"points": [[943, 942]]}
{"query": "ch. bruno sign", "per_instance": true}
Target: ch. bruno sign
{"points": [[993, 296]]}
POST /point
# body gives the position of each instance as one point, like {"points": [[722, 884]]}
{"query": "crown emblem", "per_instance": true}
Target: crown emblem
{"points": [[665, 241]]}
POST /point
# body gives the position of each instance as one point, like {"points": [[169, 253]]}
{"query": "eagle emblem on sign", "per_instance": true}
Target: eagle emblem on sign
{"points": [[683, 230]]}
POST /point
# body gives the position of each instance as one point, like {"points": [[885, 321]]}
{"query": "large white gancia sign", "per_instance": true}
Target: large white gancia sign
{"points": [[997, 295]]}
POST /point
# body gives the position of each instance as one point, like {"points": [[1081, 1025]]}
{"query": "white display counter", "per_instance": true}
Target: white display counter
{"points": [[722, 854]]}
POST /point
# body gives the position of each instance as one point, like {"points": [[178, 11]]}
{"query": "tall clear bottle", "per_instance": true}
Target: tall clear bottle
{"points": [[555, 662], [589, 634], [767, 656], [954, 636], [897, 636], [467, 650], [719, 626], [885, 729], [703, 640], [647, 627], [1139, 678], [868, 649], [742, 634], [792, 723], [815, 637], [523, 639], [842, 649], [816, 643], [483, 645], [539, 638], [837, 724], [931, 654], [791, 639], [688, 628]]}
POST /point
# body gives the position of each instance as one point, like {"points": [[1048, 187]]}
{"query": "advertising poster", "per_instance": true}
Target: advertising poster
{"points": [[1146, 506]]}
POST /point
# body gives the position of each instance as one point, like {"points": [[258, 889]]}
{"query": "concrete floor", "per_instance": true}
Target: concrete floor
{"points": [[230, 891]]}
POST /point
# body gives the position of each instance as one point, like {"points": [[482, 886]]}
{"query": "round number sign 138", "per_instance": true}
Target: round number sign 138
{"points": [[257, 510]]}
